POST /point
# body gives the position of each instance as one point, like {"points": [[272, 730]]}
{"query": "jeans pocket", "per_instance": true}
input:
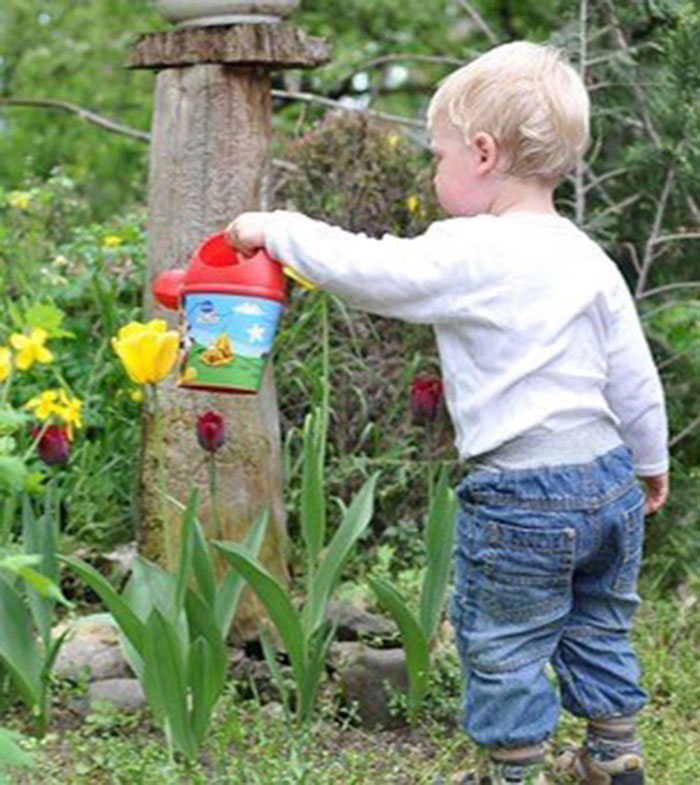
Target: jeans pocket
{"points": [[632, 543], [526, 572]]}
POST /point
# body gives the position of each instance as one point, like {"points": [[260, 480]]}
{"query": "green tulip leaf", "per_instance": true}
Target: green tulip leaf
{"points": [[414, 641], [18, 649], [354, 523], [229, 594], [439, 535], [276, 601]]}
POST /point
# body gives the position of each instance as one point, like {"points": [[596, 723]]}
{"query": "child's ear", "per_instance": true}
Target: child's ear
{"points": [[487, 152]]}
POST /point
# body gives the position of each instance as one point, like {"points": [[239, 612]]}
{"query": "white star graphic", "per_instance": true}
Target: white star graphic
{"points": [[256, 333]]}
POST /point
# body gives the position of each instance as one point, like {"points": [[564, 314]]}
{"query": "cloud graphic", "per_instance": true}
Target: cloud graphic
{"points": [[249, 309]]}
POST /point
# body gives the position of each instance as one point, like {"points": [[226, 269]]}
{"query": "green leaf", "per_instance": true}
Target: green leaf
{"points": [[127, 621], [13, 472], [11, 754], [354, 523], [313, 502], [202, 624], [203, 565], [11, 419], [49, 317], [186, 546], [276, 601], [439, 536], [319, 646], [18, 649], [271, 659], [165, 682], [414, 642], [232, 584], [199, 678]]}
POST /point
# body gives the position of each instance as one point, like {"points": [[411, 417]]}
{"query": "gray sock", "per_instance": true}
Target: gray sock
{"points": [[607, 739]]}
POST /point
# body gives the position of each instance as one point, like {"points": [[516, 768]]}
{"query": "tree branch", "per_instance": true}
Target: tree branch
{"points": [[478, 20], [621, 41], [85, 114], [291, 95], [579, 184], [648, 257], [669, 287], [685, 432]]}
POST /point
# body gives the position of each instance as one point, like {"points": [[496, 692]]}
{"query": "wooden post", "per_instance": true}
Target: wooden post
{"points": [[208, 161]]}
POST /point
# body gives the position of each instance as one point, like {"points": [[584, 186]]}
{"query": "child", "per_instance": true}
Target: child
{"points": [[552, 391]]}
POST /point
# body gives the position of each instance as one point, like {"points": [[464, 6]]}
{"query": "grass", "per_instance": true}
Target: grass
{"points": [[251, 744]]}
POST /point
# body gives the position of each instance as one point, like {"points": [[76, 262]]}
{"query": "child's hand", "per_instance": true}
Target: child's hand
{"points": [[247, 232], [656, 490]]}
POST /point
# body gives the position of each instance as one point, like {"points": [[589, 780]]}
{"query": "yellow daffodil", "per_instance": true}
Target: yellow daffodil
{"points": [[147, 351], [20, 200], [412, 203], [69, 410], [44, 404], [58, 404], [30, 348], [5, 363], [112, 241]]}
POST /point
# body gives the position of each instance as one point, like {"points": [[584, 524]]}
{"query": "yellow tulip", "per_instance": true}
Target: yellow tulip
{"points": [[20, 200], [30, 348], [5, 363], [148, 351], [44, 404]]}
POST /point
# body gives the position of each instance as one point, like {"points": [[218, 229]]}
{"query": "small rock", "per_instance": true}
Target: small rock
{"points": [[91, 651], [253, 677], [364, 674], [124, 694], [273, 710], [121, 560], [356, 624]]}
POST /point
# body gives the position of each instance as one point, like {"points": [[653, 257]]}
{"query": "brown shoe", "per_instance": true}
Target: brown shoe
{"points": [[623, 770]]}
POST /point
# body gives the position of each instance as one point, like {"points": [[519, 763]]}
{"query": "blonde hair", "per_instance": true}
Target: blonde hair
{"points": [[529, 99]]}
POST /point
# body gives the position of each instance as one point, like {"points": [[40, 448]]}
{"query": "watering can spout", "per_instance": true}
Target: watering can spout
{"points": [[167, 287]]}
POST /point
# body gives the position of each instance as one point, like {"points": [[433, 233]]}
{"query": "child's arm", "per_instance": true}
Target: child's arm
{"points": [[635, 394], [412, 279]]}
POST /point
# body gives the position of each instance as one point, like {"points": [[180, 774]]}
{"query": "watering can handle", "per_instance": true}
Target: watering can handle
{"points": [[299, 279]]}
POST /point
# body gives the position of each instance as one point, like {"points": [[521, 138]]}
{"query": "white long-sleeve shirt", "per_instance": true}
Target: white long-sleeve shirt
{"points": [[536, 329]]}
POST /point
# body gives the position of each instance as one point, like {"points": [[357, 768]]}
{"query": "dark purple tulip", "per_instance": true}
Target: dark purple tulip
{"points": [[210, 431], [426, 396], [53, 445]]}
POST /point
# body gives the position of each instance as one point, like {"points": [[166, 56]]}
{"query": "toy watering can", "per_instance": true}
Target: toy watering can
{"points": [[230, 307]]}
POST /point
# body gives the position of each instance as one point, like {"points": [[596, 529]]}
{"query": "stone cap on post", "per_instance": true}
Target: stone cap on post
{"points": [[267, 45]]}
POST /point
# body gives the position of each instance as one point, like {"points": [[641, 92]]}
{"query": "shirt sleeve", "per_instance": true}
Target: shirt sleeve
{"points": [[634, 389], [413, 279]]}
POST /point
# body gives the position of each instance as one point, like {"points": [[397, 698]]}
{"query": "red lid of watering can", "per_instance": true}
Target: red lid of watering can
{"points": [[217, 267]]}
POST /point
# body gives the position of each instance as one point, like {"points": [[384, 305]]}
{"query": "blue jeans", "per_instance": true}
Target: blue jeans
{"points": [[547, 562]]}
